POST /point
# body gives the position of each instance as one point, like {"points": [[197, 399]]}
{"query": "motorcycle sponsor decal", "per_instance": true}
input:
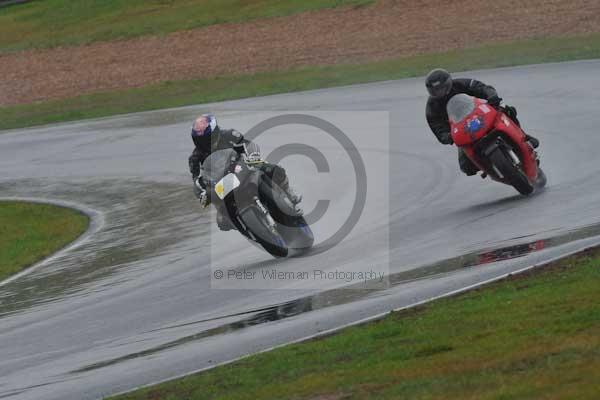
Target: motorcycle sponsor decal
{"points": [[220, 190], [484, 108], [226, 185], [262, 208], [474, 124], [505, 120]]}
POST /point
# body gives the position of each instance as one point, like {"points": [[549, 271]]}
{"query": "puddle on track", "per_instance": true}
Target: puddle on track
{"points": [[141, 221]]}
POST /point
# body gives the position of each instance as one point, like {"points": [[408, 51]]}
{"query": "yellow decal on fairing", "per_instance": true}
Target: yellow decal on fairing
{"points": [[220, 190]]}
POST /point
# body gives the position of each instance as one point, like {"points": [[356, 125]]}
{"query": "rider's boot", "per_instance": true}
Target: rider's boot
{"points": [[294, 197], [511, 112], [532, 141]]}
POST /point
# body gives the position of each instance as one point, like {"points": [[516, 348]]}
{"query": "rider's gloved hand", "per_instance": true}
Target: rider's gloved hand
{"points": [[253, 157], [240, 148], [200, 192], [204, 200], [495, 101], [250, 152]]}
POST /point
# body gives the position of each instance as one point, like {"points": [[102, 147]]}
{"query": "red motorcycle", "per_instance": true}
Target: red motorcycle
{"points": [[494, 143]]}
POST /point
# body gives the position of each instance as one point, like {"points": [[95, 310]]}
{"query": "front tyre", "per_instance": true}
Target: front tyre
{"points": [[541, 179], [262, 233], [300, 236], [511, 173]]}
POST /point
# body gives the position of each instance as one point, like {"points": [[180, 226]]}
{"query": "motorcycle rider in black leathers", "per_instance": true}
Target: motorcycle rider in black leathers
{"points": [[209, 137], [441, 87]]}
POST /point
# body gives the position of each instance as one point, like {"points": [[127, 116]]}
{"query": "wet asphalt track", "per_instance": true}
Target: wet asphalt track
{"points": [[132, 305]]}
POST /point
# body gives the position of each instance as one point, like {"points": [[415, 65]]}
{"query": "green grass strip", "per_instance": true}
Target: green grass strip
{"points": [[525, 338], [181, 93], [51, 23], [30, 232]]}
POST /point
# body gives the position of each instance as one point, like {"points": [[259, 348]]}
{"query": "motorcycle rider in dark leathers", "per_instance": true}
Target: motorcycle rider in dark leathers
{"points": [[209, 137], [441, 87]]}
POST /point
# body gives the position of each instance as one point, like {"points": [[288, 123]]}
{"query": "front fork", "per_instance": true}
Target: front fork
{"points": [[486, 167], [266, 213]]}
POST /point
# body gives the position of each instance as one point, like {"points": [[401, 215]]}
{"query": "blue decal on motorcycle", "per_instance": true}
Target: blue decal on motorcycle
{"points": [[473, 125]]}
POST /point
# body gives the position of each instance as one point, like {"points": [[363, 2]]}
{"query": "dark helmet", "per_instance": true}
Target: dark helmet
{"points": [[438, 83]]}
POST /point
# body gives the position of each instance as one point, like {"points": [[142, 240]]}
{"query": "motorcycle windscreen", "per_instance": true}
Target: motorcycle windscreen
{"points": [[217, 165], [459, 107]]}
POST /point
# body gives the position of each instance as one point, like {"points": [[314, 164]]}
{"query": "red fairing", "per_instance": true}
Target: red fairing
{"points": [[486, 119], [512, 130], [486, 114]]}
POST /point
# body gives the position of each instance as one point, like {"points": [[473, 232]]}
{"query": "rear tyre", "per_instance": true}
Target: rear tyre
{"points": [[511, 172]]}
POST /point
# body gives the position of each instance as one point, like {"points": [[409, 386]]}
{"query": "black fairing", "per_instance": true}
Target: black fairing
{"points": [[253, 201]]}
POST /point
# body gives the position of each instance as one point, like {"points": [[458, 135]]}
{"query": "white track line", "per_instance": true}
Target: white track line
{"points": [[96, 223]]}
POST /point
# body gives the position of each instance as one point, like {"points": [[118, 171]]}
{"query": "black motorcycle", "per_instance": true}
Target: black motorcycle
{"points": [[256, 206]]}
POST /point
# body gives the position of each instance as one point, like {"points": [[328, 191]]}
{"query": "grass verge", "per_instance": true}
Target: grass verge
{"points": [[51, 23], [180, 93], [30, 232], [532, 336]]}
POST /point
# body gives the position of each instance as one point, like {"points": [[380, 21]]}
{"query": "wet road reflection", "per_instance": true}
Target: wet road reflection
{"points": [[353, 293]]}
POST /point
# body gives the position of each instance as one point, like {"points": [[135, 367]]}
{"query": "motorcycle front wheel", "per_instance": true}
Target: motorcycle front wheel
{"points": [[511, 173], [262, 233]]}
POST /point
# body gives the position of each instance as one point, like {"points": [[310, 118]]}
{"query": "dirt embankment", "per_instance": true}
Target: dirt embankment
{"points": [[389, 29]]}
